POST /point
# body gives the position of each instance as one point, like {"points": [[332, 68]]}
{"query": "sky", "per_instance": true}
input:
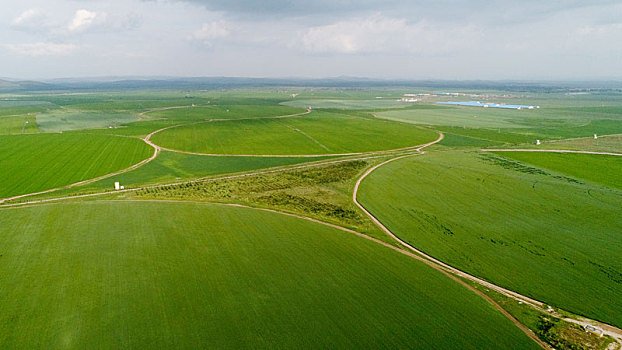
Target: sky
{"points": [[388, 39]]}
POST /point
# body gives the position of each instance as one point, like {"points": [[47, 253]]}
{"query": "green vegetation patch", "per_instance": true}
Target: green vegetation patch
{"points": [[182, 275], [318, 133], [322, 192], [32, 163], [601, 169], [540, 234]]}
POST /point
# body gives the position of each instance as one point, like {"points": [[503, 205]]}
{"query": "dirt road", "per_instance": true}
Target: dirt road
{"points": [[548, 150]]}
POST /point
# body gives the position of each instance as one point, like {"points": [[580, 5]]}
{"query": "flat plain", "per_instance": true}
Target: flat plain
{"points": [[171, 273]]}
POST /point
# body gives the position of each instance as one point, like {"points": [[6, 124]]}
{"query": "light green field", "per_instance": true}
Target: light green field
{"points": [[457, 116], [32, 163], [120, 275], [76, 120], [348, 104], [548, 122], [25, 124], [600, 169], [17, 107], [609, 143], [540, 234], [318, 133]]}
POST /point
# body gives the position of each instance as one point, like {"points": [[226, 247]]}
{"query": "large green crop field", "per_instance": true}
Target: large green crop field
{"points": [[545, 235], [183, 275], [318, 133], [32, 163]]}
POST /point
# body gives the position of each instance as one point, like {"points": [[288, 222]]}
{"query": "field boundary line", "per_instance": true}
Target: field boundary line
{"points": [[548, 150], [210, 178]]}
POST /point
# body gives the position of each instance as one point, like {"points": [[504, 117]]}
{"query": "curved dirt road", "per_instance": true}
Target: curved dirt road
{"points": [[146, 139], [455, 273], [309, 110]]}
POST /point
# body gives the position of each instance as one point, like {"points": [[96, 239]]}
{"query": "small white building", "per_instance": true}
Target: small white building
{"points": [[117, 186], [592, 329], [537, 142]]}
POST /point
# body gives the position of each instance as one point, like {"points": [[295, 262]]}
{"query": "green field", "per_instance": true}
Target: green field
{"points": [[183, 275], [318, 133], [541, 234], [601, 169], [45, 161], [227, 111]]}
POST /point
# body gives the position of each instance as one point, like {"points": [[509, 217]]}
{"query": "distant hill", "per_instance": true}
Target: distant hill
{"points": [[199, 83], [26, 85]]}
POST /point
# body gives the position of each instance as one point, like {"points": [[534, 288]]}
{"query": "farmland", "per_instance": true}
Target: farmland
{"points": [[318, 133], [46, 161], [140, 281], [173, 261], [548, 236]]}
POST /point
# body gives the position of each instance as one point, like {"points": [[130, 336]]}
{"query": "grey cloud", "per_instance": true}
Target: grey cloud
{"points": [[489, 11]]}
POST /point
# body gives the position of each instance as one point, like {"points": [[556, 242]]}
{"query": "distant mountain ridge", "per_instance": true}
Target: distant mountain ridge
{"points": [[25, 85], [198, 83]]}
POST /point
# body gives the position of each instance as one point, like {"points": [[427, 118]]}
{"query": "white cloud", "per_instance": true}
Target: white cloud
{"points": [[41, 49], [31, 20], [28, 17], [82, 20], [212, 31], [379, 34]]}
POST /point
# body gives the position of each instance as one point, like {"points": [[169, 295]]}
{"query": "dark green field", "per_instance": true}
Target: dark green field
{"points": [[541, 234], [182, 275], [41, 162]]}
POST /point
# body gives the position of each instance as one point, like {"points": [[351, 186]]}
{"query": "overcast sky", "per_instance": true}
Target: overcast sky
{"points": [[416, 39]]}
